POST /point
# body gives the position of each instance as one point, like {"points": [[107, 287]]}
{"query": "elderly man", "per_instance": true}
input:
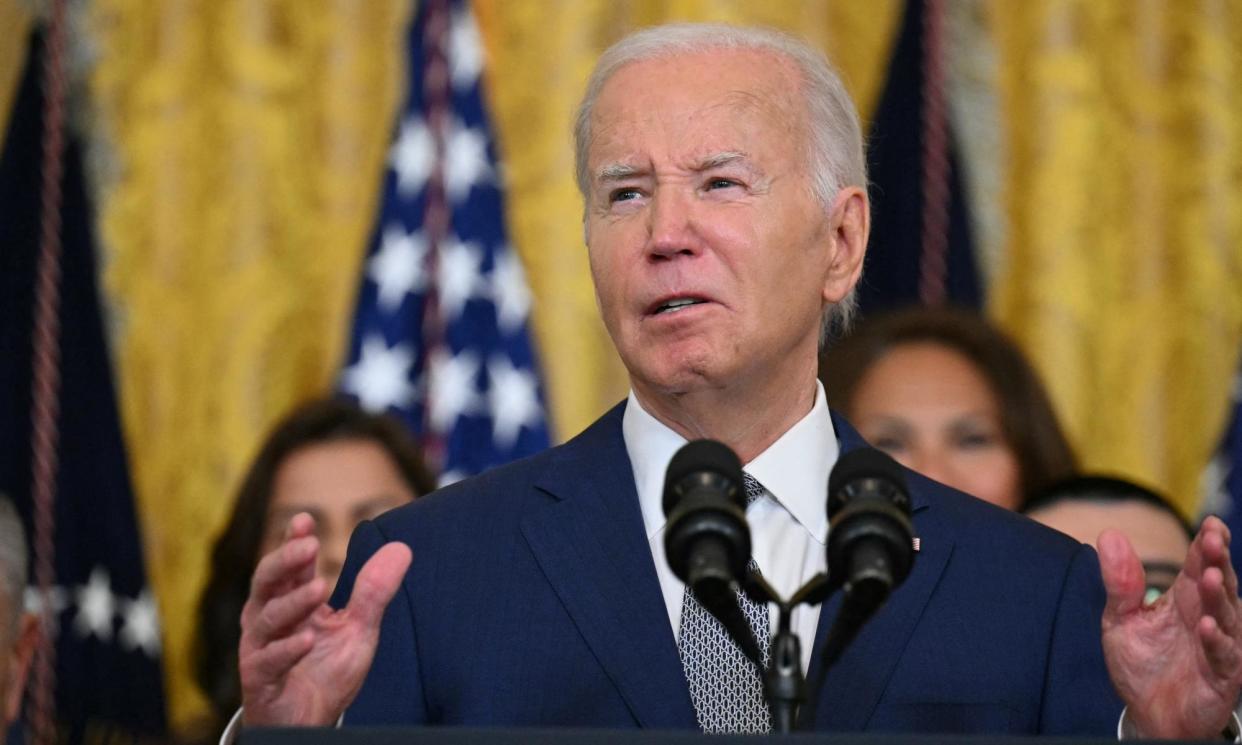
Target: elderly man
{"points": [[726, 221], [18, 629]]}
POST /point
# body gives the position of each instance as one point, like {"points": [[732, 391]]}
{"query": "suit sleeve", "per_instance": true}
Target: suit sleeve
{"points": [[1079, 698], [392, 693]]}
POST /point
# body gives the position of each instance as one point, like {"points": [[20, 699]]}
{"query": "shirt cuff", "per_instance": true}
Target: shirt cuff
{"points": [[229, 736], [1125, 729]]}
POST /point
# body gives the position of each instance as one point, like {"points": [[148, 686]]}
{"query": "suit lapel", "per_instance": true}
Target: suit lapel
{"points": [[591, 544], [855, 684]]}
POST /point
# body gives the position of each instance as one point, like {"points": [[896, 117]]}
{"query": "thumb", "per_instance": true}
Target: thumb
{"points": [[1124, 578], [377, 582]]}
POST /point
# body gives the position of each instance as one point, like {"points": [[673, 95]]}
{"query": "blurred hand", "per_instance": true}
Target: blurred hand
{"points": [[1177, 663], [302, 662]]}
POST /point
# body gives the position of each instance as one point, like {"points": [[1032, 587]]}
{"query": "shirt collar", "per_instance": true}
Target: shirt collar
{"points": [[794, 469]]}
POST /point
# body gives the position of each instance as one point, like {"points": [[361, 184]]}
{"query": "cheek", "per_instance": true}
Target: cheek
{"points": [[995, 479]]}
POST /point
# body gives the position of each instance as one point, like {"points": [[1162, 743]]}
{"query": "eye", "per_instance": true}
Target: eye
{"points": [[623, 194], [976, 440], [889, 445], [721, 183]]}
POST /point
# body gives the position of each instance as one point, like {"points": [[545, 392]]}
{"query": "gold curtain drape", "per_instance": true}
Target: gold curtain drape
{"points": [[15, 20], [244, 143], [247, 142], [1123, 194]]}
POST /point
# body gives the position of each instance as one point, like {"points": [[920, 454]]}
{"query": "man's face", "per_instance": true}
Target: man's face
{"points": [[712, 259]]}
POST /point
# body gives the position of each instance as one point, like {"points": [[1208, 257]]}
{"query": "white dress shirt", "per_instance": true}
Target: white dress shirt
{"points": [[788, 525]]}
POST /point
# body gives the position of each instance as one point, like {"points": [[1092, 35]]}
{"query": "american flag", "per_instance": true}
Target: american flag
{"points": [[441, 334]]}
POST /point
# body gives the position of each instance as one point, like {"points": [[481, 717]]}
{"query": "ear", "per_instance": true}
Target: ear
{"points": [[22, 652], [849, 222]]}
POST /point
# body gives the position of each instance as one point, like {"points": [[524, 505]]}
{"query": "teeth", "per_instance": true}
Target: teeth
{"points": [[678, 304]]}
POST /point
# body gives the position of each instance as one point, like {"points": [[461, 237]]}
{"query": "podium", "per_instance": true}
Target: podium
{"points": [[498, 736]]}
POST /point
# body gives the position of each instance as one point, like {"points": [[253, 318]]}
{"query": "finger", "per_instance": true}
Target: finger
{"points": [[282, 614], [1214, 535], [284, 568], [300, 526], [1218, 648], [377, 582], [1124, 579], [276, 659], [1217, 603]]}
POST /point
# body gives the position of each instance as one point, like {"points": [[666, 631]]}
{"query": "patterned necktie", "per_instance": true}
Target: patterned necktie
{"points": [[725, 688]]}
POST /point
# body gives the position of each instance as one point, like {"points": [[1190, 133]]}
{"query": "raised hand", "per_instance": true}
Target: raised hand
{"points": [[1177, 664], [302, 662]]}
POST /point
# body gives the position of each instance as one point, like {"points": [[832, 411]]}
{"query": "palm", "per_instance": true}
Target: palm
{"points": [[1175, 663], [327, 678], [302, 662]]}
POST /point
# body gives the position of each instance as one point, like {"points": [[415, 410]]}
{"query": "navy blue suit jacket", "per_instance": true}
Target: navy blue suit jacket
{"points": [[533, 601]]}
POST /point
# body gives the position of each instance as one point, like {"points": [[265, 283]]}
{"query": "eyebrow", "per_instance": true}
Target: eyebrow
{"points": [[720, 159], [622, 171], [617, 172]]}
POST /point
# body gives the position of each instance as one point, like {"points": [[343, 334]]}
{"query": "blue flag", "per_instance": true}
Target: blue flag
{"points": [[898, 261], [108, 681], [1223, 480], [441, 332]]}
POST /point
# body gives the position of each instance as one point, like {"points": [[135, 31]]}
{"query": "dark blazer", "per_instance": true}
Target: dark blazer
{"points": [[533, 601]]}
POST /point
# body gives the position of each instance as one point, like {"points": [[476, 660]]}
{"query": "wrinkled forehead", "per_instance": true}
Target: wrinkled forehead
{"points": [[709, 96]]}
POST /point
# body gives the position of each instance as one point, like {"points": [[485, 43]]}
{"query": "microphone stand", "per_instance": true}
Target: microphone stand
{"points": [[784, 685]]}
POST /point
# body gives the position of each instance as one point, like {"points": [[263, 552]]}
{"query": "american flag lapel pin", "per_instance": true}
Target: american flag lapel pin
{"points": [[916, 543]]}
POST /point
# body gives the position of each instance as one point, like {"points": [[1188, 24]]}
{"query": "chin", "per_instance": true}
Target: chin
{"points": [[677, 378]]}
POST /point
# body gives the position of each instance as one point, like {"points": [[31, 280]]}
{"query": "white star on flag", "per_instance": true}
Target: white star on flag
{"points": [[397, 268], [453, 388], [141, 628], [381, 376], [412, 156], [96, 606], [465, 55], [513, 400], [465, 161], [509, 291], [459, 275]]}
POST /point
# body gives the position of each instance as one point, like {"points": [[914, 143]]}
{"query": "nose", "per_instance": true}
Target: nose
{"points": [[332, 556], [931, 464], [671, 225]]}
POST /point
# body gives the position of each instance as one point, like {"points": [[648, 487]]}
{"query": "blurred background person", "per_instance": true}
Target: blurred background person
{"points": [[947, 394], [1084, 506], [327, 458], [18, 629]]}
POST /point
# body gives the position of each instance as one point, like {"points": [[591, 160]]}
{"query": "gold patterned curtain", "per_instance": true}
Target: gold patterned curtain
{"points": [[245, 143], [15, 22], [1122, 267]]}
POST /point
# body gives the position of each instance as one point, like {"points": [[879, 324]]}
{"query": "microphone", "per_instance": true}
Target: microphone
{"points": [[707, 540], [870, 548], [870, 536]]}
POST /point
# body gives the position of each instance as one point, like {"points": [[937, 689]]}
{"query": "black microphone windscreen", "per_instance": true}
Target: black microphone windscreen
{"points": [[865, 463], [703, 455]]}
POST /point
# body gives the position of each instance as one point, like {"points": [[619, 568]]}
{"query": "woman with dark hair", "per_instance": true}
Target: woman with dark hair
{"points": [[328, 458], [950, 396]]}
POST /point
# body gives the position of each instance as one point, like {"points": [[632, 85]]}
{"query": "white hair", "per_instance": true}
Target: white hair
{"points": [[12, 562], [836, 143]]}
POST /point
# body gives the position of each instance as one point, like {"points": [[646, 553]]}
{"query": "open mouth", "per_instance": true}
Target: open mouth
{"points": [[675, 304]]}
